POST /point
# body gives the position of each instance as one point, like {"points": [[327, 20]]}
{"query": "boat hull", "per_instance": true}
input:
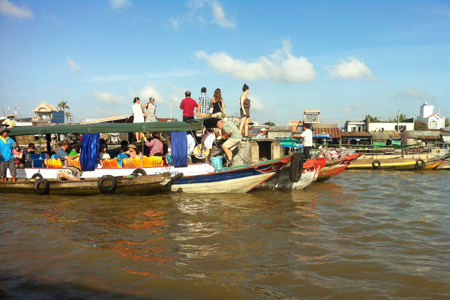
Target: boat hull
{"points": [[142, 185], [397, 164], [332, 168], [239, 180], [281, 180]]}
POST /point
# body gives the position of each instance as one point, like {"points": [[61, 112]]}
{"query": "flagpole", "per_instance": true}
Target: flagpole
{"points": [[170, 108]]}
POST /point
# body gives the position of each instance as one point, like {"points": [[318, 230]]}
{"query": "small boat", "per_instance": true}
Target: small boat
{"points": [[336, 166], [284, 180], [130, 185], [240, 179], [399, 163]]}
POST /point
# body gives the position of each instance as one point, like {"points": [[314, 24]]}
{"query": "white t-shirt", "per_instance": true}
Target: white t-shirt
{"points": [[103, 155], [307, 138], [208, 140], [190, 144], [137, 112]]}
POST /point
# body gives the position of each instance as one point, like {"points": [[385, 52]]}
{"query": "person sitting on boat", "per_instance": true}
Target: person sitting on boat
{"points": [[208, 138], [31, 149], [233, 136], [307, 140], [6, 155], [62, 152], [262, 134], [133, 151], [123, 147], [18, 157], [155, 145], [10, 121], [75, 149]]}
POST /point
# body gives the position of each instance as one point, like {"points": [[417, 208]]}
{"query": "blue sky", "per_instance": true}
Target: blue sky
{"points": [[345, 58]]}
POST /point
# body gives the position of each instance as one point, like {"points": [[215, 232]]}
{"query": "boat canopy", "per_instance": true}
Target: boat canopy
{"points": [[193, 125]]}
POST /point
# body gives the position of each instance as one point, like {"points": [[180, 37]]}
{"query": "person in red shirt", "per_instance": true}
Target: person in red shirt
{"points": [[188, 105]]}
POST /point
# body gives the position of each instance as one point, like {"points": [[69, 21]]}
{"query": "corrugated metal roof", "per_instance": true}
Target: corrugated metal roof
{"points": [[335, 132], [416, 134], [354, 134]]}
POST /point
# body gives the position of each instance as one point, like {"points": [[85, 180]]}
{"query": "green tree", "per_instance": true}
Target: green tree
{"points": [[402, 117], [420, 125], [68, 116], [270, 123], [372, 119], [63, 105], [447, 122]]}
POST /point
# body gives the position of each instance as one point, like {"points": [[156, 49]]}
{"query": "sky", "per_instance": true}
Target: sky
{"points": [[345, 58]]}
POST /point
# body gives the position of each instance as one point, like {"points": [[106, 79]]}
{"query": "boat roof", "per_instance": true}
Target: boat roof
{"points": [[193, 125]]}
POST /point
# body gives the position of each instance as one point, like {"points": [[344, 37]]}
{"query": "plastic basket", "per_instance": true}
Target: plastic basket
{"points": [[217, 162]]}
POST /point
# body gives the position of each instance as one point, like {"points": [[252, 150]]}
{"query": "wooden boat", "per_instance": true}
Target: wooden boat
{"points": [[399, 163], [240, 179], [336, 166], [282, 180], [141, 185]]}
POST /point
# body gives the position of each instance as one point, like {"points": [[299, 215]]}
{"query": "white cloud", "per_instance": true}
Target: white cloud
{"points": [[347, 109], [282, 66], [118, 4], [109, 98], [73, 66], [12, 10], [219, 15], [350, 69], [198, 13], [149, 91], [412, 93], [256, 103]]}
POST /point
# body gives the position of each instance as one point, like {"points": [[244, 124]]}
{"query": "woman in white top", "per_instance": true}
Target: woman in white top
{"points": [[138, 112]]}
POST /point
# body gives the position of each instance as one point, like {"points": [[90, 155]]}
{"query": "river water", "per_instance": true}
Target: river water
{"points": [[361, 235]]}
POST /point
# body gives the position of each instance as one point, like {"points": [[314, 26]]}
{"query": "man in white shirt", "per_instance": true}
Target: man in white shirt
{"points": [[307, 140]]}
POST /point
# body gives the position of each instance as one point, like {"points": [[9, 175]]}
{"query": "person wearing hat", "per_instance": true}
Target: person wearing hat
{"points": [[262, 134], [151, 111], [10, 122], [156, 145], [133, 151], [6, 155], [75, 150]]}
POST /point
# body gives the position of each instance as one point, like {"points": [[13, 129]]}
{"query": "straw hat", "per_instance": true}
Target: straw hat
{"points": [[10, 115], [200, 152], [4, 129], [132, 146]]}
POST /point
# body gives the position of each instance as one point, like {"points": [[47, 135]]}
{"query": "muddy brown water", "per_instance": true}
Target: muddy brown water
{"points": [[361, 235]]}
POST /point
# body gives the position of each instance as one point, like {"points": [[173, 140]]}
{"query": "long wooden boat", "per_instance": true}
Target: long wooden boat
{"points": [[337, 166], [399, 163], [141, 185], [240, 179], [282, 180]]}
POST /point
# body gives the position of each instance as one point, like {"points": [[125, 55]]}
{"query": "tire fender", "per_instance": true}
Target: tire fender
{"points": [[37, 176], [376, 164], [420, 163], [139, 172], [107, 189], [41, 186], [296, 168]]}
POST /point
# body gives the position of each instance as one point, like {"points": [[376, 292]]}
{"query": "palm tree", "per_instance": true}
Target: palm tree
{"points": [[63, 105], [68, 116]]}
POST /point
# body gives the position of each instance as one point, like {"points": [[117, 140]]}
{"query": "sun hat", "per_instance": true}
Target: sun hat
{"points": [[132, 146], [4, 129], [10, 115], [201, 152], [263, 129]]}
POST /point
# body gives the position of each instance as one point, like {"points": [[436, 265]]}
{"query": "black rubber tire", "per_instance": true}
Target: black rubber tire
{"points": [[376, 164], [296, 168], [37, 175], [107, 189], [41, 186], [420, 164], [139, 172]]}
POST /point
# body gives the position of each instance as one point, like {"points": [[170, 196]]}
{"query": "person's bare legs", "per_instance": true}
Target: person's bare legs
{"points": [[228, 152], [246, 126], [241, 126], [14, 179]]}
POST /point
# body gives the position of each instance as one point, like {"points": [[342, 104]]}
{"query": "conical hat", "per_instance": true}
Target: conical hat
{"points": [[201, 153]]}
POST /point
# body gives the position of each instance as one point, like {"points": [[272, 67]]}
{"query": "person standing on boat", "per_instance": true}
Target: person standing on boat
{"points": [[7, 144], [138, 113], [307, 140], [233, 136], [187, 106], [262, 134], [151, 111], [245, 111], [204, 103], [10, 122]]}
